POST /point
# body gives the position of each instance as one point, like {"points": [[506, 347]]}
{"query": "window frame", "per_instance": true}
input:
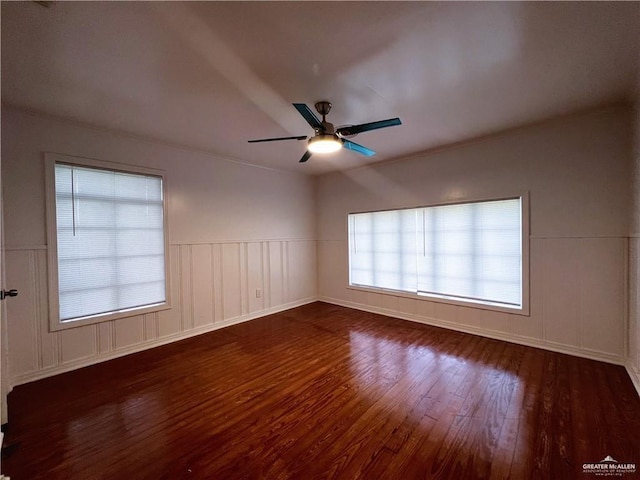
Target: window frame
{"points": [[523, 310], [51, 159]]}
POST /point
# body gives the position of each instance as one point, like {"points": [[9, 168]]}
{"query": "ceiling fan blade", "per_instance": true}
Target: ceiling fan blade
{"points": [[308, 115], [301, 137], [357, 148], [365, 127], [305, 157]]}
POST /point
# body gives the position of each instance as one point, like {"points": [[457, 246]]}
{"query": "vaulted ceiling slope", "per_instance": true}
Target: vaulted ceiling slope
{"points": [[212, 75]]}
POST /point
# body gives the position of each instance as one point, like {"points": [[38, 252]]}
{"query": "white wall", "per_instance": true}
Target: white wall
{"points": [[633, 364], [577, 172], [233, 229]]}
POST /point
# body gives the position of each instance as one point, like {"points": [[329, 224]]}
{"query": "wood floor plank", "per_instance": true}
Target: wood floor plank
{"points": [[323, 391], [507, 446]]}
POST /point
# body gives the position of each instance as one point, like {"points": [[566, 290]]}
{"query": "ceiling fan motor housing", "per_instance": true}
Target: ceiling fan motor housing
{"points": [[327, 128]]}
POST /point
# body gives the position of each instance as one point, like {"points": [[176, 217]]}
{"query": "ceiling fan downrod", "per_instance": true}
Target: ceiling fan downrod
{"points": [[323, 108]]}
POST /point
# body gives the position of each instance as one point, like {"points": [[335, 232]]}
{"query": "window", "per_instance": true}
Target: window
{"points": [[107, 242], [467, 252]]}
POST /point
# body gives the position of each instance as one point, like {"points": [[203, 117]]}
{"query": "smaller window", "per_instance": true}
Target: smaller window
{"points": [[462, 253], [107, 241]]}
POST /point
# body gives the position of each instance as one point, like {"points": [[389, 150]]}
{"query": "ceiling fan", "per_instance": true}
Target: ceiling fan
{"points": [[327, 138]]}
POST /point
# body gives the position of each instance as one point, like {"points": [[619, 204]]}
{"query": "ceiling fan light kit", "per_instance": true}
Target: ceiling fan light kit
{"points": [[327, 139], [324, 143]]}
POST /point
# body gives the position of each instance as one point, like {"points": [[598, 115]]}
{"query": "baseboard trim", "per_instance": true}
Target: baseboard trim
{"points": [[85, 362], [634, 374], [529, 342]]}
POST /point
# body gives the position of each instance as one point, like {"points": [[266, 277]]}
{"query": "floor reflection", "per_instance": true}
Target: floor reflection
{"points": [[134, 421], [425, 389]]}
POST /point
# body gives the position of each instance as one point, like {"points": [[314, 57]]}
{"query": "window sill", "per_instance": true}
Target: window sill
{"points": [[522, 311], [56, 325]]}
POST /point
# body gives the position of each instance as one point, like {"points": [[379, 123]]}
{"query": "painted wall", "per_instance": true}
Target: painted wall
{"points": [[236, 228], [576, 170], [233, 229], [633, 363]]}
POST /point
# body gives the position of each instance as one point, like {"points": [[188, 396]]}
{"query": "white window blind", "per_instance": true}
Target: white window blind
{"points": [[110, 241], [469, 252], [383, 252]]}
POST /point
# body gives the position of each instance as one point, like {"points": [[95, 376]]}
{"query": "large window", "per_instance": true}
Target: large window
{"points": [[467, 252], [107, 245]]}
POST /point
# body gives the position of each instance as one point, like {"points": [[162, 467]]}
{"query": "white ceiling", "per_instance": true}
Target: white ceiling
{"points": [[212, 75]]}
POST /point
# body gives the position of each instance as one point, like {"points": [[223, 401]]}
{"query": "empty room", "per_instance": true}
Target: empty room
{"points": [[314, 240]]}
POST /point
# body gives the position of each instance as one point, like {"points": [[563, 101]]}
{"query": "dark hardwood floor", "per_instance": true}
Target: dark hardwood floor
{"points": [[323, 391]]}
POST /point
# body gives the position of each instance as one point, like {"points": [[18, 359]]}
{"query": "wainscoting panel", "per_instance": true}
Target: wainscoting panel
{"points": [[128, 331], [276, 273], [77, 343], [151, 326], [255, 277], [577, 298], [301, 262], [333, 269], [23, 330], [105, 338], [186, 288], [202, 280], [212, 285], [602, 287], [231, 285], [560, 295]]}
